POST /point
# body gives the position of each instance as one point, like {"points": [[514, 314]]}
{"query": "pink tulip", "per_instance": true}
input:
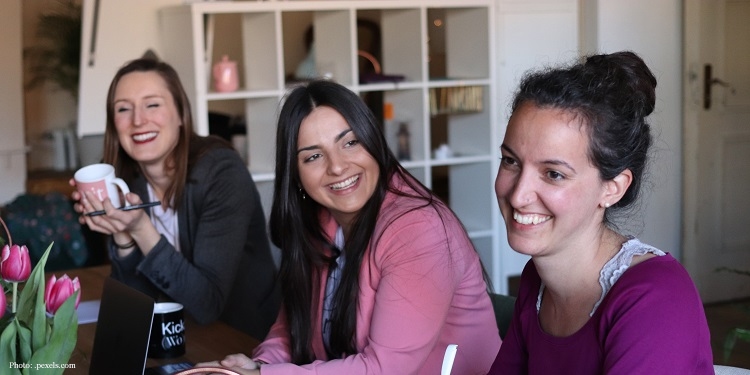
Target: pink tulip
{"points": [[58, 290], [16, 264], [3, 302]]}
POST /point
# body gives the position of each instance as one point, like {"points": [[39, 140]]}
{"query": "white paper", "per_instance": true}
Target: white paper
{"points": [[88, 311]]}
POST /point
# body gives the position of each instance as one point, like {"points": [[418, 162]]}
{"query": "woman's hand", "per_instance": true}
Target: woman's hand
{"points": [[114, 220], [236, 362], [90, 203], [124, 226]]}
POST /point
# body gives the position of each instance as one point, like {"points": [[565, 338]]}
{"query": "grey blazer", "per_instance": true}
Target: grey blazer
{"points": [[225, 269]]}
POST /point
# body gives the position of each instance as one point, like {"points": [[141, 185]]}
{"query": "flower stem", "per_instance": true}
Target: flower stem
{"points": [[10, 240], [15, 299]]}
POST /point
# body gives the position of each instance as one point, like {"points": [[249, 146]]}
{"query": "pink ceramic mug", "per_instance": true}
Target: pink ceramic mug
{"points": [[100, 179]]}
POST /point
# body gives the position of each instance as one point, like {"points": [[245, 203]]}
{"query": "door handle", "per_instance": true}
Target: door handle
{"points": [[708, 82]]}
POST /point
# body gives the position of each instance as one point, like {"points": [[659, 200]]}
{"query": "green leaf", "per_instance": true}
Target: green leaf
{"points": [[24, 342], [39, 325], [62, 340], [743, 334], [729, 345], [731, 340], [28, 296], [8, 348], [31, 310]]}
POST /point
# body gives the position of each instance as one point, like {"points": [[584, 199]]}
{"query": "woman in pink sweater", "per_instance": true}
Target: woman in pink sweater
{"points": [[378, 274]]}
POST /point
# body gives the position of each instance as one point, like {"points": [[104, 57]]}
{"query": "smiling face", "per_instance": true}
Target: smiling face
{"points": [[549, 193], [334, 168], [146, 118]]}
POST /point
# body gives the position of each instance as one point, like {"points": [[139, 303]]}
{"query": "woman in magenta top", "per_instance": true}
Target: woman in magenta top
{"points": [[592, 300], [378, 275]]}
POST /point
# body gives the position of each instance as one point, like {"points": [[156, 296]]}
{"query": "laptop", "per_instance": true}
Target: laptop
{"points": [[123, 330]]}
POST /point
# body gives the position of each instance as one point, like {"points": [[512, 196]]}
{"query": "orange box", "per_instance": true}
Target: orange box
{"points": [[388, 111]]}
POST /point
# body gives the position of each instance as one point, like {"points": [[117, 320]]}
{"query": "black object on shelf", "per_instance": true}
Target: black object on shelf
{"points": [[219, 124], [378, 77]]}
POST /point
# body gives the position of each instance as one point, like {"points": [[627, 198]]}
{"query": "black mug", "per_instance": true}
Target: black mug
{"points": [[167, 331]]}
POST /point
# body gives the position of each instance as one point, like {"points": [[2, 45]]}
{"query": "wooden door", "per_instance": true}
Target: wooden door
{"points": [[716, 227]]}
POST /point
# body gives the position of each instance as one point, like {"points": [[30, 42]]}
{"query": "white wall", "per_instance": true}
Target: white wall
{"points": [[125, 31], [530, 34], [653, 29], [12, 144]]}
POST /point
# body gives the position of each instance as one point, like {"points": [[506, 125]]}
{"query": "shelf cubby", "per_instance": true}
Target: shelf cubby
{"points": [[261, 52], [429, 46], [261, 138], [470, 196], [407, 109], [460, 36]]}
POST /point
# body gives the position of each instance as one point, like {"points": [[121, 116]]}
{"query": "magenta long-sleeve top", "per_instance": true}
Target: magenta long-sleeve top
{"points": [[651, 322], [421, 288]]}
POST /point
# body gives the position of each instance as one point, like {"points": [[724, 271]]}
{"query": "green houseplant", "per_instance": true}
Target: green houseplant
{"points": [[738, 333], [56, 58]]}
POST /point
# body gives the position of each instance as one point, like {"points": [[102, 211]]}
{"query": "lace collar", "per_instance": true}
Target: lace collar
{"points": [[614, 268]]}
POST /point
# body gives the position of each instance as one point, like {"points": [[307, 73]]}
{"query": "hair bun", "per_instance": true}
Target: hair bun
{"points": [[625, 70]]}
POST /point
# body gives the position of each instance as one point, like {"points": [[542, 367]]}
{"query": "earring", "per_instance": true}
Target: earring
{"points": [[304, 196], [606, 205]]}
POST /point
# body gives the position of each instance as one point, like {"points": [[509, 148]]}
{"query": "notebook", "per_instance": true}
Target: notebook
{"points": [[123, 330]]}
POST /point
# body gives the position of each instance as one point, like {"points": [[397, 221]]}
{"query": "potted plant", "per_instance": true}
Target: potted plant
{"points": [[56, 58], [738, 333]]}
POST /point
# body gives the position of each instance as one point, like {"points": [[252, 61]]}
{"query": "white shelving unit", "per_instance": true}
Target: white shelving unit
{"points": [[434, 44]]}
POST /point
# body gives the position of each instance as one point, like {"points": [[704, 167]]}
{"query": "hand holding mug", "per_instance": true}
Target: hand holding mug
{"points": [[100, 180], [95, 184]]}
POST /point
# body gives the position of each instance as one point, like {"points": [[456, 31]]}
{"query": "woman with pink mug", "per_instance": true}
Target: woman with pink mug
{"points": [[205, 246]]}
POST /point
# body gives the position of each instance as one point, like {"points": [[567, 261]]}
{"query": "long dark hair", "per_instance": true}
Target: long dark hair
{"points": [[295, 222], [611, 95], [189, 146]]}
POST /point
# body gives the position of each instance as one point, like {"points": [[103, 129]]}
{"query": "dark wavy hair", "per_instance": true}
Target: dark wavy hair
{"points": [[611, 95], [295, 226]]}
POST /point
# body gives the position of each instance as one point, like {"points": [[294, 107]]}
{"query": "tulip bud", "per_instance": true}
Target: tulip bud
{"points": [[16, 263], [58, 290]]}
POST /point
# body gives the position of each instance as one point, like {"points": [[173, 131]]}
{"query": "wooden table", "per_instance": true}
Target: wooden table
{"points": [[203, 342]]}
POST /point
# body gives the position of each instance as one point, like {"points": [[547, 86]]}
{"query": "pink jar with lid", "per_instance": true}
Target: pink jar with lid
{"points": [[225, 75]]}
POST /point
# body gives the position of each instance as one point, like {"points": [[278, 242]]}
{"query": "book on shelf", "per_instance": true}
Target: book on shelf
{"points": [[458, 99]]}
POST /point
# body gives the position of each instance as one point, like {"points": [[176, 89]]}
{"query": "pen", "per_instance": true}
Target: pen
{"points": [[126, 208]]}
